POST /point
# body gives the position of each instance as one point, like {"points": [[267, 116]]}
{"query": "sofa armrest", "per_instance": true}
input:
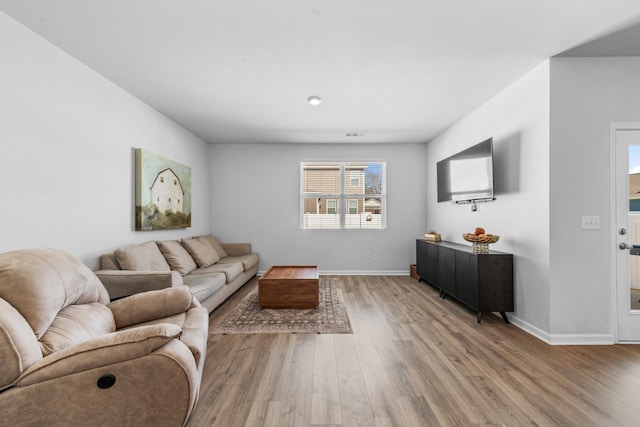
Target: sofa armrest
{"points": [[237, 249], [152, 305], [101, 351], [122, 283]]}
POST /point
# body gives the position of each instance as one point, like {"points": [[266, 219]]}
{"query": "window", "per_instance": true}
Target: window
{"points": [[353, 206], [332, 207], [342, 195], [354, 178]]}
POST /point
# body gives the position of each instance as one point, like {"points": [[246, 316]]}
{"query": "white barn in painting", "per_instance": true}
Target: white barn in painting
{"points": [[166, 192]]}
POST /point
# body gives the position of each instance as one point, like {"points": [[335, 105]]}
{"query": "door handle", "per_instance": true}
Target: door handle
{"points": [[633, 249]]}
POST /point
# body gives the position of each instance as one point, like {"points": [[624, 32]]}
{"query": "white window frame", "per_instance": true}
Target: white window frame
{"points": [[354, 178], [343, 199], [349, 203], [336, 206]]}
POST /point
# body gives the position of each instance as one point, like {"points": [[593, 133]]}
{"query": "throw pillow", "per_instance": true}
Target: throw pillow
{"points": [[215, 245], [202, 252], [177, 256], [143, 257]]}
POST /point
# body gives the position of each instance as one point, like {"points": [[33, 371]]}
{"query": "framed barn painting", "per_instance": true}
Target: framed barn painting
{"points": [[163, 192]]}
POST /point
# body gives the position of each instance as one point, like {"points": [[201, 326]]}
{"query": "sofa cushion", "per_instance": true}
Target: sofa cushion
{"points": [[41, 282], [203, 286], [143, 257], [76, 324], [231, 270], [177, 256], [202, 252], [248, 261], [214, 244]]}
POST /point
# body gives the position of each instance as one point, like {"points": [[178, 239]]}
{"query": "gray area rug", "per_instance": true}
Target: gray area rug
{"points": [[329, 318]]}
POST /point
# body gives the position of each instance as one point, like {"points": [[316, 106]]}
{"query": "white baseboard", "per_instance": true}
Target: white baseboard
{"points": [[364, 272], [358, 272], [582, 339], [562, 339]]}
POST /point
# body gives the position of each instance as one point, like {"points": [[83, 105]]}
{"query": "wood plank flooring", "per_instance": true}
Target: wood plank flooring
{"points": [[413, 360]]}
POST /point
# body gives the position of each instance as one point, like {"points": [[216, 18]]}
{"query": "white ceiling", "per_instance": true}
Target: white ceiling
{"points": [[395, 70]]}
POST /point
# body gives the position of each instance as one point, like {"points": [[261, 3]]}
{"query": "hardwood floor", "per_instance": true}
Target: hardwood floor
{"points": [[413, 360]]}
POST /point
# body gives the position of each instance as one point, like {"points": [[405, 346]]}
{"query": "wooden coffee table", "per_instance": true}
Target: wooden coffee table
{"points": [[289, 286]]}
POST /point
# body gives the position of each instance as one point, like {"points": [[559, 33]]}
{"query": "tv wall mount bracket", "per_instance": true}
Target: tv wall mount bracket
{"points": [[474, 202]]}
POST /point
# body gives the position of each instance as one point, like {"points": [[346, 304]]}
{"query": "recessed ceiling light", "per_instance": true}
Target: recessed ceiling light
{"points": [[315, 100]]}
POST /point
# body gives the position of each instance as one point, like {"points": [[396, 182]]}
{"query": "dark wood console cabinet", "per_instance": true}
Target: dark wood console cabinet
{"points": [[482, 281]]}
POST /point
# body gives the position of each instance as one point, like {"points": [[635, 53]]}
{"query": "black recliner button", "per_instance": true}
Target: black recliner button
{"points": [[106, 381]]}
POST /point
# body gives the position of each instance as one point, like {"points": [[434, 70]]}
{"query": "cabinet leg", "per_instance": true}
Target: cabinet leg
{"points": [[479, 317], [504, 317]]}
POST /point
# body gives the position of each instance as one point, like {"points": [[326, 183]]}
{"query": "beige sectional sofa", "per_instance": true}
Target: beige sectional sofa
{"points": [[212, 270]]}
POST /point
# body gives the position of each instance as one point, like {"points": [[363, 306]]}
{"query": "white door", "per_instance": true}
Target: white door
{"points": [[627, 231]]}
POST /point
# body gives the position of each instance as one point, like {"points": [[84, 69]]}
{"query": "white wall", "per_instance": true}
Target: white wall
{"points": [[518, 120], [66, 162], [66, 159], [587, 95], [257, 197], [552, 145]]}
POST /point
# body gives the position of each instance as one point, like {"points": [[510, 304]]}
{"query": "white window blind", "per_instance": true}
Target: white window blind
{"points": [[342, 195]]}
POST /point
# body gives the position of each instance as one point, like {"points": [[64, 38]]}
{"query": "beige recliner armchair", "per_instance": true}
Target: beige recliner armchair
{"points": [[70, 357]]}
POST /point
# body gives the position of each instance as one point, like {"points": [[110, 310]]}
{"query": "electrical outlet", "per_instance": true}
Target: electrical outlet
{"points": [[374, 256], [591, 223]]}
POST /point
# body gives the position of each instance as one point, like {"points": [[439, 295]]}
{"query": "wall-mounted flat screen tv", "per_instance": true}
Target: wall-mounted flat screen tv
{"points": [[468, 175]]}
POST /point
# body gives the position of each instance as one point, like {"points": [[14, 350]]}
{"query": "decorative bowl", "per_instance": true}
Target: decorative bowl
{"points": [[480, 244]]}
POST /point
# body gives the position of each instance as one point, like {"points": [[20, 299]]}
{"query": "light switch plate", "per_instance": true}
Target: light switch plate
{"points": [[591, 222]]}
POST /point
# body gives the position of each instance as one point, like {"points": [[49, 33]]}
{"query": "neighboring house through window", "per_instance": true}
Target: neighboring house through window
{"points": [[342, 195], [634, 192]]}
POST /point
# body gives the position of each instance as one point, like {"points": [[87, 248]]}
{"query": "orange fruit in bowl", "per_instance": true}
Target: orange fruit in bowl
{"points": [[479, 231]]}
